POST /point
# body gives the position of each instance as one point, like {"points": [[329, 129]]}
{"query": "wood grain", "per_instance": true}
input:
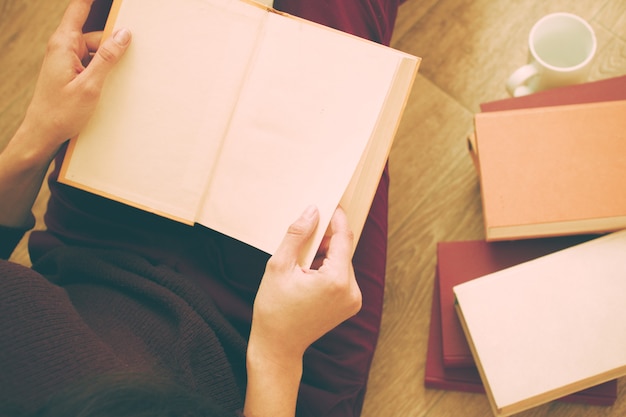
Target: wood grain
{"points": [[469, 48]]}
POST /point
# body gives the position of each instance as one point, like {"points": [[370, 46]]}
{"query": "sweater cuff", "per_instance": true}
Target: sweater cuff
{"points": [[11, 236]]}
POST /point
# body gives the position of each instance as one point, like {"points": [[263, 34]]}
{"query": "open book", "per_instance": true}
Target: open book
{"points": [[236, 116]]}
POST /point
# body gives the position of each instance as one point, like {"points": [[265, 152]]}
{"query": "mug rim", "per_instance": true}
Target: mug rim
{"points": [[586, 24]]}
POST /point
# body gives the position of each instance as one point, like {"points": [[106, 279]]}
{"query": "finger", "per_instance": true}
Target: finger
{"points": [[92, 40], [297, 236], [76, 14], [323, 248], [318, 261], [341, 243], [107, 55]]}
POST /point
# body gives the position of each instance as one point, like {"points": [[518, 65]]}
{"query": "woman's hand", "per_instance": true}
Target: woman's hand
{"points": [[67, 90], [294, 307], [66, 95]]}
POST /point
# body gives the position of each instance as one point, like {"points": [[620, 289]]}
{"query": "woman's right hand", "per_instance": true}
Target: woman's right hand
{"points": [[294, 307]]}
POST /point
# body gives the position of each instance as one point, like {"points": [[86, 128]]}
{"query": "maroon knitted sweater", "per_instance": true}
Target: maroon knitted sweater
{"points": [[80, 313]]}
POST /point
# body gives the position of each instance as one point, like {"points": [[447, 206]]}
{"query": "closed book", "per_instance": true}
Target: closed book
{"points": [[436, 374], [467, 379], [462, 261], [552, 171], [548, 327], [595, 91], [609, 89]]}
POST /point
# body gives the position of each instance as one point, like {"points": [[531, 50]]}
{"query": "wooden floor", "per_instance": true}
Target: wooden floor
{"points": [[469, 47]]}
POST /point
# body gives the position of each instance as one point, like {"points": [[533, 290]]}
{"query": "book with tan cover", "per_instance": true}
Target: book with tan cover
{"points": [[548, 327], [462, 261], [553, 170], [467, 379], [236, 116]]}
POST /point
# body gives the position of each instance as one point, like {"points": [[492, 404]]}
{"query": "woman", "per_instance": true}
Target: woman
{"points": [[120, 301]]}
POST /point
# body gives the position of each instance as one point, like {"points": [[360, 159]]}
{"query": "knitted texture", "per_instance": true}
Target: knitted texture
{"points": [[84, 312]]}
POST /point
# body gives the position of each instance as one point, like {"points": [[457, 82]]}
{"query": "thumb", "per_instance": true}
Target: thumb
{"points": [[286, 256], [107, 55]]}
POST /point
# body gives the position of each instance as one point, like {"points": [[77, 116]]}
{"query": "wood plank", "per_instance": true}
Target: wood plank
{"points": [[469, 49], [409, 13], [26, 28], [610, 60], [613, 17]]}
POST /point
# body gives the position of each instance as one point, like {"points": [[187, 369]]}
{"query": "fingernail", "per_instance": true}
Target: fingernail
{"points": [[122, 36], [310, 212]]}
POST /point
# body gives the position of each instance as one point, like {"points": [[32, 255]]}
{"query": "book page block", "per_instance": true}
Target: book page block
{"points": [[156, 133]]}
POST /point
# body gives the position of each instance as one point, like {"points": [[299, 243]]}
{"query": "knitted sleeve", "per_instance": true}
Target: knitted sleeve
{"points": [[43, 341]]}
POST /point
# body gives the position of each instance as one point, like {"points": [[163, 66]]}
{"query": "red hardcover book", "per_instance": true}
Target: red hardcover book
{"points": [[610, 89], [462, 261], [436, 375]]}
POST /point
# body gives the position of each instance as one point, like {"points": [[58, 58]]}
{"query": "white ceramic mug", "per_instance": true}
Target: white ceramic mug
{"points": [[561, 48]]}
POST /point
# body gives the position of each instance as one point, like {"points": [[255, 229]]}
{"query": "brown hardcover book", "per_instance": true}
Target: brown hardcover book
{"points": [[553, 170], [609, 89]]}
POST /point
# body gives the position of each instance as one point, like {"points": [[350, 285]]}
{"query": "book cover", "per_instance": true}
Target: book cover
{"points": [[251, 116], [467, 379], [552, 171], [597, 91], [436, 374], [602, 90], [547, 327], [462, 261]]}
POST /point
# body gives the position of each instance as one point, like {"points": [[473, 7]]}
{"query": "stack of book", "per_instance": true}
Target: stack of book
{"points": [[538, 311], [553, 169]]}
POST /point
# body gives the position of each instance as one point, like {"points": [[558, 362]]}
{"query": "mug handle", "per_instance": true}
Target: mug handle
{"points": [[515, 84]]}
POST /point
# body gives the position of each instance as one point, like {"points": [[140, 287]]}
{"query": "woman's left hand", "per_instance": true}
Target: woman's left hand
{"points": [[68, 89]]}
